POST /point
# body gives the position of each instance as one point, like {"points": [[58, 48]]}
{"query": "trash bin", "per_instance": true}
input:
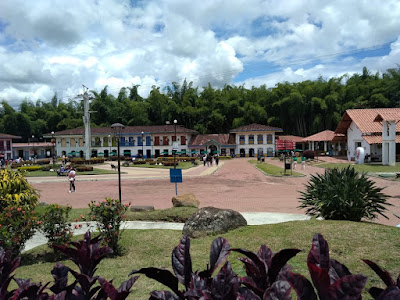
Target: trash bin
{"points": [[263, 159], [288, 166]]}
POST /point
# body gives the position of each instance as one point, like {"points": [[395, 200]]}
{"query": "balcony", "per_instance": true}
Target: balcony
{"points": [[127, 144]]}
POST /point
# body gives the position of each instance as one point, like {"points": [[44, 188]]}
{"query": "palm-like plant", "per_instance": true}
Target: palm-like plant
{"points": [[343, 194]]}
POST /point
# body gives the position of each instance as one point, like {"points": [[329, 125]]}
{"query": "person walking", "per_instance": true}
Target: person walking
{"points": [[303, 163], [294, 162], [71, 178], [204, 159], [216, 159]]}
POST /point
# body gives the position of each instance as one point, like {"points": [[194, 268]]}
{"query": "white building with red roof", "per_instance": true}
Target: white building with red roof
{"points": [[377, 130], [6, 145]]}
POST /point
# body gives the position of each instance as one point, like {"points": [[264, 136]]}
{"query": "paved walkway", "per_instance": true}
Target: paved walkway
{"points": [[234, 184], [251, 218]]}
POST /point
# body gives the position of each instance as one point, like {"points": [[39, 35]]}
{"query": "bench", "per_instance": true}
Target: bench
{"points": [[62, 173]]}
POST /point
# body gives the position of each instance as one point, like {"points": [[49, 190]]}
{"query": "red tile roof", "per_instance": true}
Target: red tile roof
{"points": [[256, 127], [388, 116], [364, 119], [377, 139], [127, 130], [326, 135], [8, 136], [202, 139], [297, 139]]}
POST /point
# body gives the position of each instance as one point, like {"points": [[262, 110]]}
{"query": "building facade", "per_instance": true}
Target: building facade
{"points": [[155, 141], [6, 145]]}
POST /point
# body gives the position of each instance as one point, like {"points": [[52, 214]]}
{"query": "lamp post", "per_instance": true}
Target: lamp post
{"points": [[118, 127], [109, 144], [54, 148], [142, 145], [32, 140], [176, 143]]}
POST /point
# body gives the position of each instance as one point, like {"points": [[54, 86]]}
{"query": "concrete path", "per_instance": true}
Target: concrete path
{"points": [[251, 218]]}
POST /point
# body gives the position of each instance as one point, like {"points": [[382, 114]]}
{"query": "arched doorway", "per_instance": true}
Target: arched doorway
{"points": [[212, 149]]}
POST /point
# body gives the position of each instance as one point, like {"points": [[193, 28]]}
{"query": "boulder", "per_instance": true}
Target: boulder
{"points": [[211, 220], [138, 208], [185, 200]]}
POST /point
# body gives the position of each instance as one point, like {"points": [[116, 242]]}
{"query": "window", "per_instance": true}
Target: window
{"points": [[165, 141], [183, 140], [260, 139], [105, 141], [63, 142], [73, 143], [131, 141], [122, 141], [269, 138], [8, 145], [148, 140], [174, 138], [140, 142], [241, 140], [251, 139], [156, 141], [81, 142]]}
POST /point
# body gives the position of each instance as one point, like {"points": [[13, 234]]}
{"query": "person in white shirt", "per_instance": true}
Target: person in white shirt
{"points": [[71, 178]]}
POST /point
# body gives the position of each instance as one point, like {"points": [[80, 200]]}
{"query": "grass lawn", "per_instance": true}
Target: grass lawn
{"points": [[174, 214], [349, 242], [181, 165], [274, 170], [54, 173], [370, 168]]}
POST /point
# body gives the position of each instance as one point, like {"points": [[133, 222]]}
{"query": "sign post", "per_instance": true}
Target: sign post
{"points": [[175, 176]]}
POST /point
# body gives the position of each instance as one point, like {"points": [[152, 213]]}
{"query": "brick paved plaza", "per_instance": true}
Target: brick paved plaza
{"points": [[236, 184]]}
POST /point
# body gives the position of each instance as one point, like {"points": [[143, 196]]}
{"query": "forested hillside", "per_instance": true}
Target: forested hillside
{"points": [[299, 108]]}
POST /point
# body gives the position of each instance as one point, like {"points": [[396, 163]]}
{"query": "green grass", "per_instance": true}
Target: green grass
{"points": [[349, 242], [174, 214], [182, 165], [274, 170], [54, 173], [370, 168]]}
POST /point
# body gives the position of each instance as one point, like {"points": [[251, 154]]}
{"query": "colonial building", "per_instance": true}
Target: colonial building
{"points": [[376, 130], [6, 145], [33, 150], [154, 141]]}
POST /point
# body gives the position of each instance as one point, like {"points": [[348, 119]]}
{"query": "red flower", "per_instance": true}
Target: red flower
{"points": [[109, 226], [19, 208], [82, 216], [76, 220], [39, 222], [123, 216]]}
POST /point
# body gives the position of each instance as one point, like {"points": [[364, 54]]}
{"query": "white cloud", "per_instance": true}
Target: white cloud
{"points": [[61, 45]]}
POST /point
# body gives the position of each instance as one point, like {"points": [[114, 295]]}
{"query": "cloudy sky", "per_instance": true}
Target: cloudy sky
{"points": [[49, 46]]}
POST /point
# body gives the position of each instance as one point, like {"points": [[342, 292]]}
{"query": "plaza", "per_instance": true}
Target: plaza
{"points": [[234, 184]]}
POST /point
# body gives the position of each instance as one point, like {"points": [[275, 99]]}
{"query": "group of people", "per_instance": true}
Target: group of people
{"points": [[303, 162], [210, 159]]}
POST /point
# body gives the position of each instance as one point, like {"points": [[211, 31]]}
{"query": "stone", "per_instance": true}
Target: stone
{"points": [[138, 208], [187, 200], [211, 220]]}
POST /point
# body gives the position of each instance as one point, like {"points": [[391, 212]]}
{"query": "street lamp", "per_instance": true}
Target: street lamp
{"points": [[109, 144], [142, 145], [54, 148], [176, 143], [118, 127]]}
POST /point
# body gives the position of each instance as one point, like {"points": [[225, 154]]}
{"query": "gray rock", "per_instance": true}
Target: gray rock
{"points": [[185, 200], [141, 208], [211, 220]]}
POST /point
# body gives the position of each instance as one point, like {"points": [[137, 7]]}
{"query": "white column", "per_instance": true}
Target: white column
{"points": [[325, 146]]}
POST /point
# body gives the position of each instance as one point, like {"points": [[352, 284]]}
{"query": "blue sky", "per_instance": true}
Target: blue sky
{"points": [[49, 46]]}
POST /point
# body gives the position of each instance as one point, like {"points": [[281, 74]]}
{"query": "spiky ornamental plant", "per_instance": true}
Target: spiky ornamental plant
{"points": [[343, 194]]}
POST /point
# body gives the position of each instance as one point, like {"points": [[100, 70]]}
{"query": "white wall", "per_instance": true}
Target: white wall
{"points": [[353, 136]]}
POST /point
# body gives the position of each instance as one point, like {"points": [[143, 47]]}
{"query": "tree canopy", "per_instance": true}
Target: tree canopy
{"points": [[302, 108]]}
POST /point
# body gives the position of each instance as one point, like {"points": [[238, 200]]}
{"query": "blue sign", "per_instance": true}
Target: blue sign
{"points": [[175, 175]]}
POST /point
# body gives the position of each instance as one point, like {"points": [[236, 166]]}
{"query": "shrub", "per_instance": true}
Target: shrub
{"points": [[46, 168], [343, 194], [83, 168], [86, 254], [17, 225], [55, 226], [29, 168], [332, 279], [109, 215], [16, 191], [309, 154]]}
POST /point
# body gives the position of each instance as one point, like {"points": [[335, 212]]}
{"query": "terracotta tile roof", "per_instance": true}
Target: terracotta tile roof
{"points": [[8, 136], [127, 130], [256, 127], [297, 139], [326, 135], [388, 116], [364, 119], [202, 139], [377, 139], [32, 144]]}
